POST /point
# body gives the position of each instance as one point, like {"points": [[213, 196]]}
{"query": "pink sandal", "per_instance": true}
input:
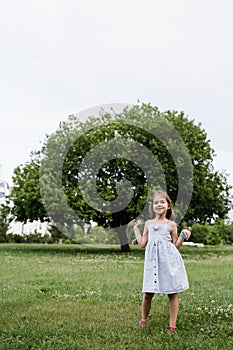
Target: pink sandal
{"points": [[171, 330], [142, 323]]}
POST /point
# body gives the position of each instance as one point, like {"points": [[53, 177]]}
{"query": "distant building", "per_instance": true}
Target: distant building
{"points": [[16, 226], [29, 227], [4, 190]]}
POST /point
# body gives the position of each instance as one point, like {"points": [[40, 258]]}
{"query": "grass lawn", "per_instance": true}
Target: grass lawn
{"points": [[56, 297]]}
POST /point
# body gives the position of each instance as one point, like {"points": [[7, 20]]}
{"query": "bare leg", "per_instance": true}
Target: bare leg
{"points": [[146, 305], [174, 303]]}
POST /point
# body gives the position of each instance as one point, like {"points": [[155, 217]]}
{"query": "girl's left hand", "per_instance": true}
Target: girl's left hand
{"points": [[187, 233]]}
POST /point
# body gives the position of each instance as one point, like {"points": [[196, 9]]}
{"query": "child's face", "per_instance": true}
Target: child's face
{"points": [[160, 204]]}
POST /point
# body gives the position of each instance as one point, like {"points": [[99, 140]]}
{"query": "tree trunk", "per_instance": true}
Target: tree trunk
{"points": [[125, 248], [121, 231]]}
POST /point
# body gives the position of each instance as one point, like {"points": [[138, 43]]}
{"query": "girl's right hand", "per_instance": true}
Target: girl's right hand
{"points": [[137, 223]]}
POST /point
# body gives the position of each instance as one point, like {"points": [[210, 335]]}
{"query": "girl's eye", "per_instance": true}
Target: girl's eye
{"points": [[162, 202]]}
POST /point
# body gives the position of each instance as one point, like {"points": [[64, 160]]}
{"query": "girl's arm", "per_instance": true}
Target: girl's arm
{"points": [[141, 239]]}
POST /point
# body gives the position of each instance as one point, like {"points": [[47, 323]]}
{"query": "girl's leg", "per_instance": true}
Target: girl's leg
{"points": [[173, 301], [146, 305]]}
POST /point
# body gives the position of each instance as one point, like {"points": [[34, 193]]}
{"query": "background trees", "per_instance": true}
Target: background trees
{"points": [[26, 191], [64, 171], [5, 220]]}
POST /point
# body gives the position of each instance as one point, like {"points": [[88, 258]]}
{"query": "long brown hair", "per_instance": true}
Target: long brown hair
{"points": [[170, 215]]}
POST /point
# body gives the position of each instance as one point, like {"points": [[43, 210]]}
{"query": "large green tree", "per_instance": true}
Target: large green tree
{"points": [[106, 168]]}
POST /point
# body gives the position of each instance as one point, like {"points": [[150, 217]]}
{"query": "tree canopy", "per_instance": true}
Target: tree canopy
{"points": [[106, 168]]}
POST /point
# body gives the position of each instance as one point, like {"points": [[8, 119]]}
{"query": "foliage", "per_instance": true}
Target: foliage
{"points": [[15, 238], [217, 233], [223, 229], [98, 235], [56, 234], [55, 171], [212, 234], [29, 238], [95, 235], [199, 233], [210, 198], [5, 220], [26, 192]]}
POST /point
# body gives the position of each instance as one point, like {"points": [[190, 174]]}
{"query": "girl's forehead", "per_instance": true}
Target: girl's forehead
{"points": [[159, 197]]}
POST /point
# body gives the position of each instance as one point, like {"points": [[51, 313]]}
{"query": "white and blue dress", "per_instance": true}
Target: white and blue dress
{"points": [[164, 270]]}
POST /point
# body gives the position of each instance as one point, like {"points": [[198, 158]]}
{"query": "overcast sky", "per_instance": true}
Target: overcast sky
{"points": [[61, 57]]}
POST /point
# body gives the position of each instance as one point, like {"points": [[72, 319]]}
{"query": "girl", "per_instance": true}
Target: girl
{"points": [[164, 270]]}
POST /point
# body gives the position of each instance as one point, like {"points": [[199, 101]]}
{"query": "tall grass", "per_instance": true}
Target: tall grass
{"points": [[84, 297]]}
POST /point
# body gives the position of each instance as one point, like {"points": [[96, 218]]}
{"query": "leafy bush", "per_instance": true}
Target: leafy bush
{"points": [[5, 221]]}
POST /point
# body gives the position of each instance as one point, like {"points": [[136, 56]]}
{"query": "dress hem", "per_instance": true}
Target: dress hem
{"points": [[165, 292]]}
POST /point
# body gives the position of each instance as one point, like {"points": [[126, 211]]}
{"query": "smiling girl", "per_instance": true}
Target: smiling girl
{"points": [[164, 270]]}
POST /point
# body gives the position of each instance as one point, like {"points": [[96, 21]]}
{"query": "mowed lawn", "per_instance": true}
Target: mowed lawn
{"points": [[55, 297]]}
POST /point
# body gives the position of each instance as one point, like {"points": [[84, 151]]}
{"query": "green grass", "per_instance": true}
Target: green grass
{"points": [[72, 297]]}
